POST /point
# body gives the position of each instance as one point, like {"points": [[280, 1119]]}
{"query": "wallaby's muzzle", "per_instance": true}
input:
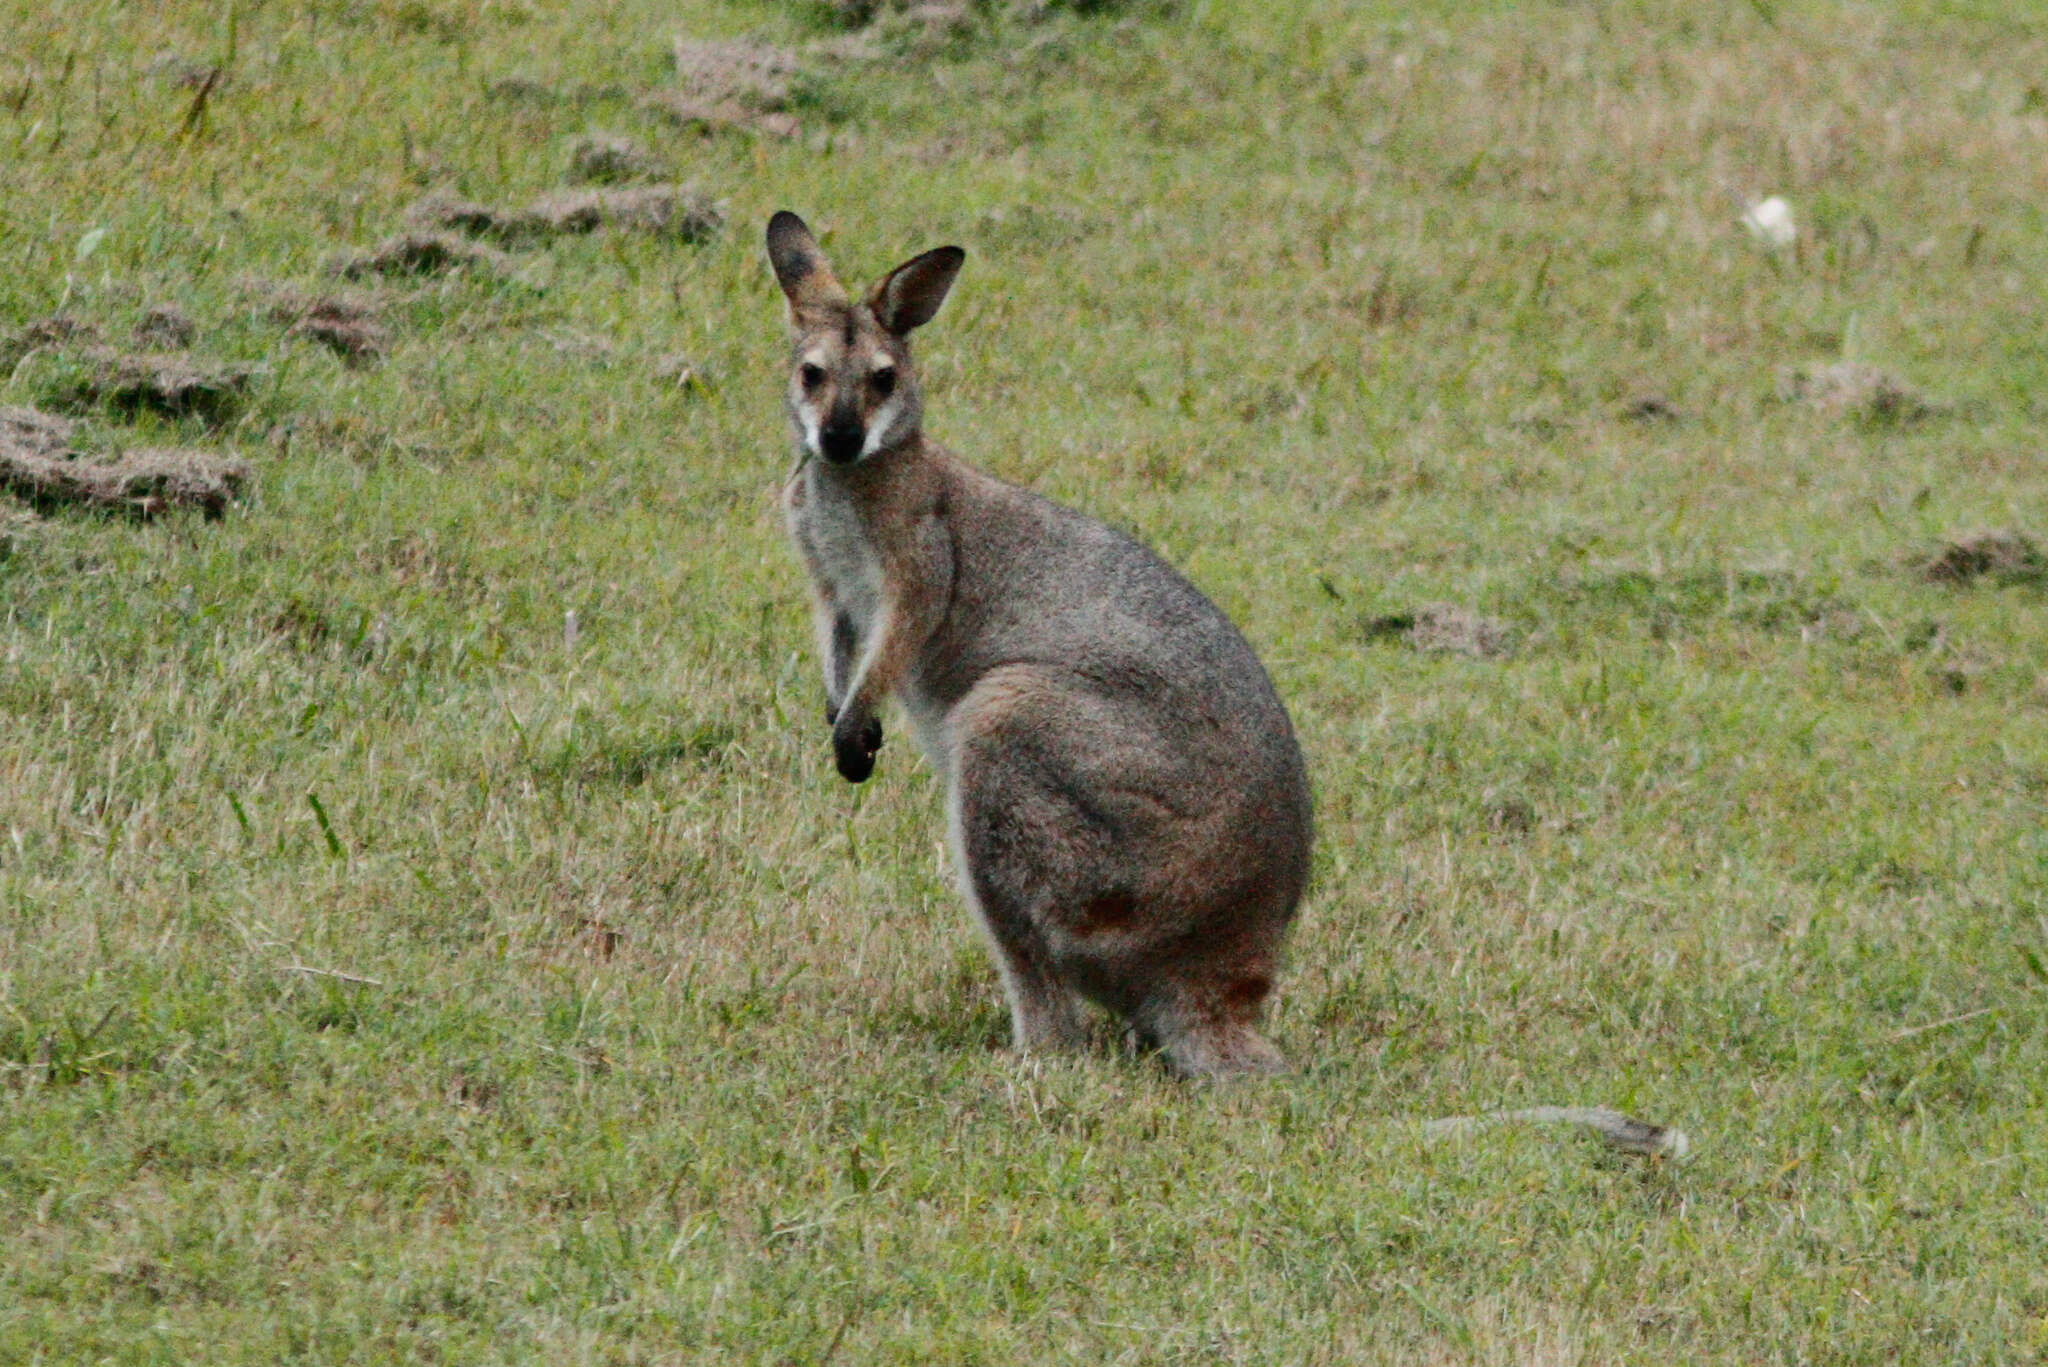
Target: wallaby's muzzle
{"points": [[841, 442]]}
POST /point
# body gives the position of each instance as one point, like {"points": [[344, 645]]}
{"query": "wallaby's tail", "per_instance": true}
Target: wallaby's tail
{"points": [[1619, 1131]]}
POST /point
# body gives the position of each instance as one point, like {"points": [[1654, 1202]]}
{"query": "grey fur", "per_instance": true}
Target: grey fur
{"points": [[1126, 802]]}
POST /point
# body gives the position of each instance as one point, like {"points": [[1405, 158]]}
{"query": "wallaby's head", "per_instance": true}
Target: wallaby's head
{"points": [[852, 389]]}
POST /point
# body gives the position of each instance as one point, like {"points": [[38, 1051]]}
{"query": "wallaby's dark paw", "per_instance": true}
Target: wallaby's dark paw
{"points": [[855, 764], [853, 749], [831, 713]]}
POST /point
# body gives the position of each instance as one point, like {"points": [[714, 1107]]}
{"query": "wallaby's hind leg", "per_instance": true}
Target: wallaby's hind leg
{"points": [[1074, 874], [1042, 1014], [1042, 1009]]}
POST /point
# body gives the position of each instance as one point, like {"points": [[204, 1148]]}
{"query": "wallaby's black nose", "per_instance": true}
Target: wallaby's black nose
{"points": [[841, 443]]}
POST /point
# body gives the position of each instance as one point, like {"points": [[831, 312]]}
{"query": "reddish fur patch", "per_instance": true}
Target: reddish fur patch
{"points": [[1245, 993], [1111, 911]]}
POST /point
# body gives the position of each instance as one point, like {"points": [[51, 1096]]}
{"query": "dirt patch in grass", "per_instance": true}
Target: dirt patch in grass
{"points": [[1445, 629], [1852, 389], [2004, 557], [664, 210], [605, 159], [38, 462], [421, 253]]}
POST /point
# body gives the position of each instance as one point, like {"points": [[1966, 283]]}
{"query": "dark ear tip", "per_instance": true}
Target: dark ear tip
{"points": [[783, 223]]}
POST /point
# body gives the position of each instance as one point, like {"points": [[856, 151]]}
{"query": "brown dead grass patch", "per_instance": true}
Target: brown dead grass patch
{"points": [[677, 211], [174, 385], [45, 334], [349, 323], [2004, 557], [606, 159], [421, 253], [166, 328], [350, 330], [697, 114], [38, 462], [756, 75], [1853, 389], [1446, 629]]}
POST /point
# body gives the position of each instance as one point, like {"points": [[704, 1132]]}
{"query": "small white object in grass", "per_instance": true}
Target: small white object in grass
{"points": [[572, 629], [1771, 220]]}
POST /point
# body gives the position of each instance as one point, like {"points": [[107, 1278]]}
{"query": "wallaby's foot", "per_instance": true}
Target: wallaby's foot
{"points": [[1221, 1051], [1043, 1019]]}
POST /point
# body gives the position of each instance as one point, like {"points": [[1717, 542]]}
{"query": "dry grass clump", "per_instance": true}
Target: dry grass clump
{"points": [[57, 331], [2004, 557], [724, 85], [677, 211], [758, 75], [166, 328], [174, 385], [1853, 389], [349, 329], [39, 463], [700, 115], [421, 253], [606, 159], [1446, 629], [664, 210], [94, 375]]}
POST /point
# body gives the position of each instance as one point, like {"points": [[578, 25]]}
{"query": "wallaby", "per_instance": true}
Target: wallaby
{"points": [[1126, 803]]}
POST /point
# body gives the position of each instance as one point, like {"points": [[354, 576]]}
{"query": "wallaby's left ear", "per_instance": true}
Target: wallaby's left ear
{"points": [[911, 294], [801, 269]]}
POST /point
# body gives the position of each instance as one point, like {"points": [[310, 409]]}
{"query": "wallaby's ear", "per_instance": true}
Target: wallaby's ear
{"points": [[911, 294], [800, 268]]}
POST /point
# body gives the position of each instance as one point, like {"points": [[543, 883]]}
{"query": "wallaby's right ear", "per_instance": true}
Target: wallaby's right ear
{"points": [[909, 296], [800, 268]]}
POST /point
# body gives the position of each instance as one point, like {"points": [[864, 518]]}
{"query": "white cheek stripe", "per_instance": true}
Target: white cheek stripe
{"points": [[878, 430]]}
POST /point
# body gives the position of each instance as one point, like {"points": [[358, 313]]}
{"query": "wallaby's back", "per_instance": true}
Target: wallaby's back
{"points": [[1038, 583]]}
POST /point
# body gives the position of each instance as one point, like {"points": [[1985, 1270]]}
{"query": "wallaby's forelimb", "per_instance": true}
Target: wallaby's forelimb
{"points": [[1617, 1130]]}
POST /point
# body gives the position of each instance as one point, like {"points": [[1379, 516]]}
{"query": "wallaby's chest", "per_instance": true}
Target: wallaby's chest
{"points": [[838, 547]]}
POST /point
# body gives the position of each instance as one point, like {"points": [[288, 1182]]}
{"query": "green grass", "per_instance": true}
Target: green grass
{"points": [[383, 978]]}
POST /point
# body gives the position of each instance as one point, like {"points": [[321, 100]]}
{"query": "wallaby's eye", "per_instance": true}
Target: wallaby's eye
{"points": [[811, 375], [884, 382]]}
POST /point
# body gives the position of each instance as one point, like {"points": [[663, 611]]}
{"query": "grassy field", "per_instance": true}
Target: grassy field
{"points": [[392, 972]]}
